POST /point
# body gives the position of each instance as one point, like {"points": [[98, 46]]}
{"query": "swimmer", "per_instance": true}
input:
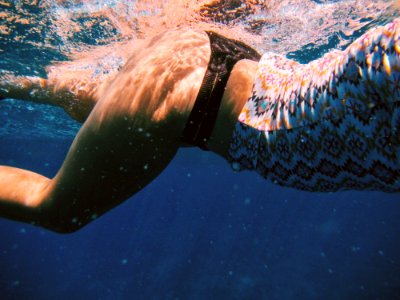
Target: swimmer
{"points": [[328, 125]]}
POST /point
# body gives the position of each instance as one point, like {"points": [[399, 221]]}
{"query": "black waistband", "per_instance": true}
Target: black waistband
{"points": [[224, 54]]}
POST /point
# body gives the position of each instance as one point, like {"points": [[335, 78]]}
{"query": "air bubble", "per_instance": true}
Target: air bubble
{"points": [[235, 166]]}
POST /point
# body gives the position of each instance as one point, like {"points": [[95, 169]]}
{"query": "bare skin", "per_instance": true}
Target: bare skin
{"points": [[133, 120]]}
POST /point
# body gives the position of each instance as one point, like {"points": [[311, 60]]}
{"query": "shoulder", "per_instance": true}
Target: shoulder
{"points": [[161, 77]]}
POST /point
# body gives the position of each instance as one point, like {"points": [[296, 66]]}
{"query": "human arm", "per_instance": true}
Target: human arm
{"points": [[128, 139]]}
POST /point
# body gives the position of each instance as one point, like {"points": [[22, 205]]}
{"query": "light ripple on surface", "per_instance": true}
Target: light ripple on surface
{"points": [[36, 34]]}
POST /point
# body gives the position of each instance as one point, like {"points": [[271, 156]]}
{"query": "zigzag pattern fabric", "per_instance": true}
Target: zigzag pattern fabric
{"points": [[329, 125]]}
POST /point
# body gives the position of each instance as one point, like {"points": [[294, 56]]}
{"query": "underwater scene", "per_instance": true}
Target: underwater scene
{"points": [[199, 230]]}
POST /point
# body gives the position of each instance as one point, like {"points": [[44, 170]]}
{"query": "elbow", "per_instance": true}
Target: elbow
{"points": [[63, 222], [63, 228], [61, 225]]}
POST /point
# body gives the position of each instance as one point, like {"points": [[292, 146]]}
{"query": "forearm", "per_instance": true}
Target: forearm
{"points": [[21, 194], [21, 186], [24, 88], [40, 90]]}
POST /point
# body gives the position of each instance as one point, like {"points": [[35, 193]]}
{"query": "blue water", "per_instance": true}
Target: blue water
{"points": [[199, 231]]}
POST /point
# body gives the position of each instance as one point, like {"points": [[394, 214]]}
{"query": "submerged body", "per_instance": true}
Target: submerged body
{"points": [[135, 112]]}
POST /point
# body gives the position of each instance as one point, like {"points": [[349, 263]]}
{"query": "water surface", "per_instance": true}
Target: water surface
{"points": [[199, 231]]}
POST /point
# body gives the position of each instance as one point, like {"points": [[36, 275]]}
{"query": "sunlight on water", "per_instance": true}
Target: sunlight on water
{"points": [[36, 34], [280, 26]]}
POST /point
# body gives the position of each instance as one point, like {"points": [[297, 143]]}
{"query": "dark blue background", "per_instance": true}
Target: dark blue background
{"points": [[199, 231]]}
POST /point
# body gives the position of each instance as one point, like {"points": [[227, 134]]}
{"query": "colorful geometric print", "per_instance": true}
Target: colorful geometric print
{"points": [[330, 125]]}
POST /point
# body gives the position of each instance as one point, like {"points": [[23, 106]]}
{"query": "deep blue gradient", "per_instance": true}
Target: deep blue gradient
{"points": [[199, 231]]}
